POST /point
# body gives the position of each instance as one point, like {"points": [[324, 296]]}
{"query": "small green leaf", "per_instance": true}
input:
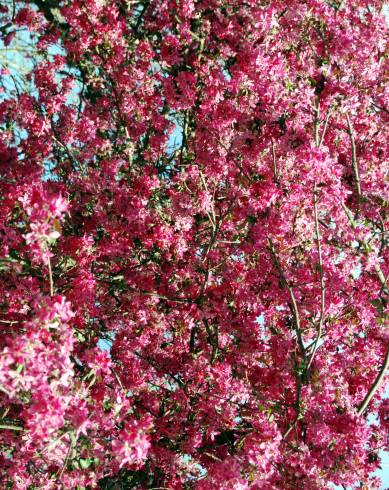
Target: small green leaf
{"points": [[85, 463]]}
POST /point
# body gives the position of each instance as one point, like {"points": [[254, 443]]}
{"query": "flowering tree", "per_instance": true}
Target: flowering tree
{"points": [[198, 185]]}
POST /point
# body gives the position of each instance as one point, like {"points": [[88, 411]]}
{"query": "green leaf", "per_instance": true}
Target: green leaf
{"points": [[85, 463]]}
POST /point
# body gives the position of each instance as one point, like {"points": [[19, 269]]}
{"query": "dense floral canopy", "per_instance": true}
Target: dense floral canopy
{"points": [[193, 217]]}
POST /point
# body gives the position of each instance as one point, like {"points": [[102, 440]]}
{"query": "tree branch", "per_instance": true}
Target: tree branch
{"points": [[375, 386], [294, 307], [322, 284], [354, 163], [275, 177]]}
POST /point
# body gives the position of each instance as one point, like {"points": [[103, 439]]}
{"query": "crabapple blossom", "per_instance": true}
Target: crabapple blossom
{"points": [[193, 244]]}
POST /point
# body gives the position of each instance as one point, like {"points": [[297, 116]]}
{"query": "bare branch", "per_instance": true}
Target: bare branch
{"points": [[316, 124], [50, 277], [275, 176], [294, 306], [213, 336], [324, 128], [322, 284], [354, 163], [375, 386], [11, 427], [377, 268]]}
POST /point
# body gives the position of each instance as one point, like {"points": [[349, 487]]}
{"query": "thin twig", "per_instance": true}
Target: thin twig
{"points": [[354, 163], [3, 390], [212, 456], [50, 277], [316, 124], [294, 306], [117, 378], [67, 457], [375, 386], [377, 268], [166, 298], [349, 216], [214, 339], [324, 128], [322, 285], [381, 108], [291, 427], [184, 137], [297, 404], [11, 427], [275, 177]]}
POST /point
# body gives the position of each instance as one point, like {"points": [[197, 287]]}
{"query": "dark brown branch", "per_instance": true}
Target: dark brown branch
{"points": [[273, 151], [213, 336], [293, 306], [354, 163]]}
